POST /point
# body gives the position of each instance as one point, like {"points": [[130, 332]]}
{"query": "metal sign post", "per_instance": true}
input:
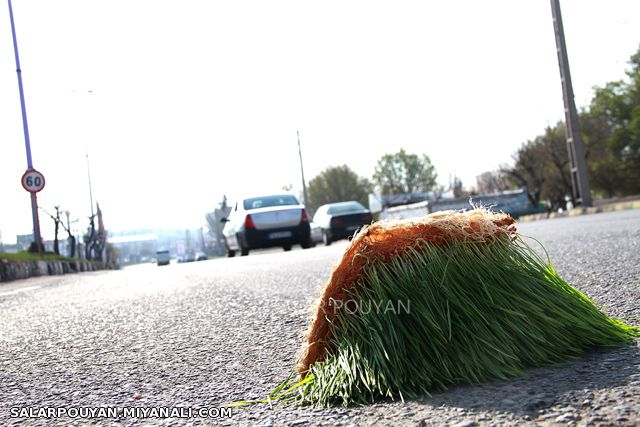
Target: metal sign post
{"points": [[31, 173], [33, 181]]}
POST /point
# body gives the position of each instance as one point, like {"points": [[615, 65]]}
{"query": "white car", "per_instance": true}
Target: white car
{"points": [[266, 221]]}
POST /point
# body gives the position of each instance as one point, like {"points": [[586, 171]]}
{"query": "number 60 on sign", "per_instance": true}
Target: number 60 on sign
{"points": [[32, 181]]}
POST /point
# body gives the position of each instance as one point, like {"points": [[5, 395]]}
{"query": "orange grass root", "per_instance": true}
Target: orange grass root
{"points": [[382, 240]]}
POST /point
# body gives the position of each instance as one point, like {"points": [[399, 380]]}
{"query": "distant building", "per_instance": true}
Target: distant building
{"points": [[135, 248], [140, 246], [392, 200], [515, 203], [11, 249], [23, 241]]}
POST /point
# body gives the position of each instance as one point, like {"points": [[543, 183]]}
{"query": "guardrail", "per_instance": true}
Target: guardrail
{"points": [[15, 270]]}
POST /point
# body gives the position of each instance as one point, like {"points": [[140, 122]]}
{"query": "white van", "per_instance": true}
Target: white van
{"points": [[163, 257]]}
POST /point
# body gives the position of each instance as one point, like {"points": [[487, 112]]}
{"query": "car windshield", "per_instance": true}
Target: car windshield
{"points": [[268, 201], [342, 208]]}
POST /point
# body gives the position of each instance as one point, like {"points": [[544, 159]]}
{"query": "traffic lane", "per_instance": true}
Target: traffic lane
{"points": [[604, 384], [189, 334], [598, 254], [226, 330], [32, 283]]}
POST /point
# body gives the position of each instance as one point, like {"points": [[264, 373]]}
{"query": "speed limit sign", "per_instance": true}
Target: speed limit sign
{"points": [[32, 181]]}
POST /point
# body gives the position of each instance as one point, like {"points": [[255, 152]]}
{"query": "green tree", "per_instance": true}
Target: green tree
{"points": [[611, 131], [606, 177], [615, 115], [401, 173], [337, 184]]}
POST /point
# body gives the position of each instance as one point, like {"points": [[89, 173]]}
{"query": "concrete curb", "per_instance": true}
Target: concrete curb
{"points": [[613, 207], [16, 270]]}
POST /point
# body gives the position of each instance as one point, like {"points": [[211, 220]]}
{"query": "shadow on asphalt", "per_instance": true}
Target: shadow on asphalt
{"points": [[543, 387]]}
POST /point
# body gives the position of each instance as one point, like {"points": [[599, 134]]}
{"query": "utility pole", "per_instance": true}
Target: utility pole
{"points": [[27, 142], [89, 244], [575, 145], [90, 191], [304, 184]]}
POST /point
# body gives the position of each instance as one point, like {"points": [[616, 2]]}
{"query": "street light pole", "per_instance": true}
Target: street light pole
{"points": [[25, 126], [90, 191], [88, 246], [304, 184], [575, 146]]}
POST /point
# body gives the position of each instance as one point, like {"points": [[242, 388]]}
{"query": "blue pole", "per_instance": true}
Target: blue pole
{"points": [[25, 126]]}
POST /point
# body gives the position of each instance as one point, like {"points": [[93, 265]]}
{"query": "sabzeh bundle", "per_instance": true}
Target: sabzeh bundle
{"points": [[453, 297]]}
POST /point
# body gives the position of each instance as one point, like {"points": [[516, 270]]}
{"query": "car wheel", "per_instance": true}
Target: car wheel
{"points": [[286, 248], [231, 253], [244, 251], [307, 243], [326, 238]]}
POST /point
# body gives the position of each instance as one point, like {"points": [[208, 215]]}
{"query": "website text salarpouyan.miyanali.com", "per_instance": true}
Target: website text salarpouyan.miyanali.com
{"points": [[88, 412]]}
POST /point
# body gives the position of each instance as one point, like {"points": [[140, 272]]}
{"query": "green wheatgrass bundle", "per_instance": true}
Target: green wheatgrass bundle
{"points": [[453, 297]]}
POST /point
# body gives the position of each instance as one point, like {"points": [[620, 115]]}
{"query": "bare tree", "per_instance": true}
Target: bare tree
{"points": [[494, 182], [57, 221], [215, 225], [89, 238], [71, 238], [96, 240]]}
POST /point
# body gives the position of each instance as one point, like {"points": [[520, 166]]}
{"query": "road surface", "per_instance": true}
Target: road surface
{"points": [[205, 334]]}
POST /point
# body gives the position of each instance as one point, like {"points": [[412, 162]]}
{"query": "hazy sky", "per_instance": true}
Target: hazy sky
{"points": [[178, 103]]}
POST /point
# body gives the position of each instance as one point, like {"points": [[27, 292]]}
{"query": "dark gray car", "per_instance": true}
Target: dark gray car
{"points": [[341, 220]]}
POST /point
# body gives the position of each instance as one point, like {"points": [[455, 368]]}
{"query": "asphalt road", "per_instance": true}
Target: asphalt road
{"points": [[209, 333]]}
